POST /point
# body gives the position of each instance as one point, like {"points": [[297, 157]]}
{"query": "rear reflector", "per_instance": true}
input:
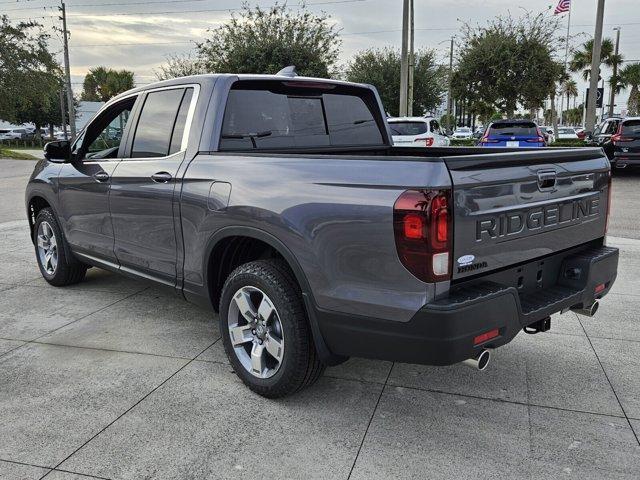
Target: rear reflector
{"points": [[486, 336], [599, 288]]}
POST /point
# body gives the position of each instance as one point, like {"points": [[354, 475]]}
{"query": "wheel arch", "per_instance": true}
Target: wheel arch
{"points": [[219, 245]]}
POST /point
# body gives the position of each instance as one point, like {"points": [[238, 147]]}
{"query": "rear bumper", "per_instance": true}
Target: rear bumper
{"points": [[442, 333], [625, 159]]}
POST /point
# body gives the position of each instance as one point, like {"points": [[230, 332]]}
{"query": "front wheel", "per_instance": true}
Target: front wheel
{"points": [[55, 265], [265, 331]]}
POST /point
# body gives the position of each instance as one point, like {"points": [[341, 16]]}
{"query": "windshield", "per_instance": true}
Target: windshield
{"points": [[566, 130], [463, 129], [513, 129], [408, 128], [631, 127]]}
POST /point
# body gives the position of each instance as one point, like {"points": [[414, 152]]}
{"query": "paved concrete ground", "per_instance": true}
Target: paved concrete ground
{"points": [[114, 378]]}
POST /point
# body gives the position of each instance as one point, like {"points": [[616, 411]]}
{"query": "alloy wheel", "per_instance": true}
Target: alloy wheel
{"points": [[255, 331], [47, 248]]}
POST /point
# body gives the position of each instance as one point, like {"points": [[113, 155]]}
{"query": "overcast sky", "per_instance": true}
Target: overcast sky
{"points": [[149, 30]]}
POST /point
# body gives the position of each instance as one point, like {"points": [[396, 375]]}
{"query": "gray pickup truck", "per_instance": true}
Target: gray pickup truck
{"points": [[281, 202]]}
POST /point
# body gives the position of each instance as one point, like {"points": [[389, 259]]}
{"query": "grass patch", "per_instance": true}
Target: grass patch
{"points": [[6, 153]]}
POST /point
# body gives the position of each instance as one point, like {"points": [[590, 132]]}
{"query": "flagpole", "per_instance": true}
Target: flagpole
{"points": [[566, 59]]}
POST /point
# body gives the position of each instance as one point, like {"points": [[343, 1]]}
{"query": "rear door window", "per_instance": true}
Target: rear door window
{"points": [[435, 126], [631, 127], [408, 128], [156, 123], [264, 119], [513, 129]]}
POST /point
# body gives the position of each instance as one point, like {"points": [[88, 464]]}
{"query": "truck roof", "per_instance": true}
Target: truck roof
{"points": [[212, 77]]}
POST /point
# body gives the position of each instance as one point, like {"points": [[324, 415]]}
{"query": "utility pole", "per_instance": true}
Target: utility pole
{"points": [[595, 69], [449, 98], [566, 59], [404, 60], [67, 68], [614, 84], [62, 115], [412, 63]]}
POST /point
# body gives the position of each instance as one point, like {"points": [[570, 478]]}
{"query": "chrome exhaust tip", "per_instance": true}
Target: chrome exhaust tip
{"points": [[480, 362], [588, 311]]}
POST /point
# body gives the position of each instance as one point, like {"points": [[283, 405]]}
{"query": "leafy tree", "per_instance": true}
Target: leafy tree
{"points": [[101, 84], [448, 121], [258, 40], [29, 75], [581, 58], [507, 63], [381, 68], [630, 78], [180, 66]]}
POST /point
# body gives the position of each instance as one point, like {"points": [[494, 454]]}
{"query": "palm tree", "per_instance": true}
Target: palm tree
{"points": [[581, 58], [569, 88], [630, 78]]}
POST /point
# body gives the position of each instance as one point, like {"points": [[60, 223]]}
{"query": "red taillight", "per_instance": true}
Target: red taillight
{"points": [[618, 138], [599, 288], [413, 226], [486, 139], [427, 141], [422, 227], [486, 336]]}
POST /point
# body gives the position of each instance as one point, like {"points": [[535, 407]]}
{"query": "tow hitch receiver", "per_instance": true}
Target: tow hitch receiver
{"points": [[538, 327]]}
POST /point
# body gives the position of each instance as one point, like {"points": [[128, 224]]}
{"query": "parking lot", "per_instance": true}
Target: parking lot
{"points": [[116, 378]]}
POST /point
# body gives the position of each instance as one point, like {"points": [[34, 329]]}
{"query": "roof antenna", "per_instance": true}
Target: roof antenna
{"points": [[289, 71]]}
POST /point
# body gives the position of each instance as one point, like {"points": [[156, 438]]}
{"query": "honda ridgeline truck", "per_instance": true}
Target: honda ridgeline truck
{"points": [[281, 202]]}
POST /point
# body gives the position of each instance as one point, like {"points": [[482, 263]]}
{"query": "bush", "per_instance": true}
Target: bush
{"points": [[462, 142], [568, 143]]}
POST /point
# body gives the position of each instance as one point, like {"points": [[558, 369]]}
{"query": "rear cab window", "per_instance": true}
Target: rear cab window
{"points": [[408, 128], [267, 115], [513, 129]]}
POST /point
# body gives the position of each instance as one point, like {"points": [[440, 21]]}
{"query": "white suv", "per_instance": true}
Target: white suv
{"points": [[417, 132], [13, 134]]}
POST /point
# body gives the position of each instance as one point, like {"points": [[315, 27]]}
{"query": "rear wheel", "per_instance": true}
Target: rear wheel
{"points": [[265, 331], [55, 266]]}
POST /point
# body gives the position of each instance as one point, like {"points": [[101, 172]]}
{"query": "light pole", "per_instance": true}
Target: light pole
{"points": [[404, 61], [595, 69]]}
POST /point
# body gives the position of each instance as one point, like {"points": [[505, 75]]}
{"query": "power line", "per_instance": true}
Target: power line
{"points": [[173, 12]]}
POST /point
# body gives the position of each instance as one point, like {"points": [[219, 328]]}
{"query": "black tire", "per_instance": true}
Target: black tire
{"points": [[300, 365], [68, 269]]}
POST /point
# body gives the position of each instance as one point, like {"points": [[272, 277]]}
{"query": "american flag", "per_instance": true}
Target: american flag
{"points": [[563, 6]]}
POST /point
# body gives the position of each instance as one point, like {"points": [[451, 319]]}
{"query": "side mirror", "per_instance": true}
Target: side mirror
{"points": [[58, 150]]}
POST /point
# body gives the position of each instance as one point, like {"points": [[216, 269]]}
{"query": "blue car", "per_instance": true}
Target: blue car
{"points": [[513, 133]]}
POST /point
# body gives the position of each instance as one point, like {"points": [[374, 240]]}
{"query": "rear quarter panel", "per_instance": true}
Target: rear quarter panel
{"points": [[335, 215]]}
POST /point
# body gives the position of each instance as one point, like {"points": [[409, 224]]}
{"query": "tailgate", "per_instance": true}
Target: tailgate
{"points": [[512, 207]]}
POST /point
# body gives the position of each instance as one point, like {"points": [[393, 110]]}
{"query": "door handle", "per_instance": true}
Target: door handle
{"points": [[161, 177], [101, 176]]}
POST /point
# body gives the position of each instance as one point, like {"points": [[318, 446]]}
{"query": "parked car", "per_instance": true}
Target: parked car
{"points": [[601, 136], [282, 203], [417, 132], [626, 143], [13, 134], [567, 133], [513, 133], [462, 133], [580, 132]]}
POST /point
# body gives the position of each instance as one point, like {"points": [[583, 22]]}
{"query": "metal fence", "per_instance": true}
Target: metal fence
{"points": [[29, 143]]}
